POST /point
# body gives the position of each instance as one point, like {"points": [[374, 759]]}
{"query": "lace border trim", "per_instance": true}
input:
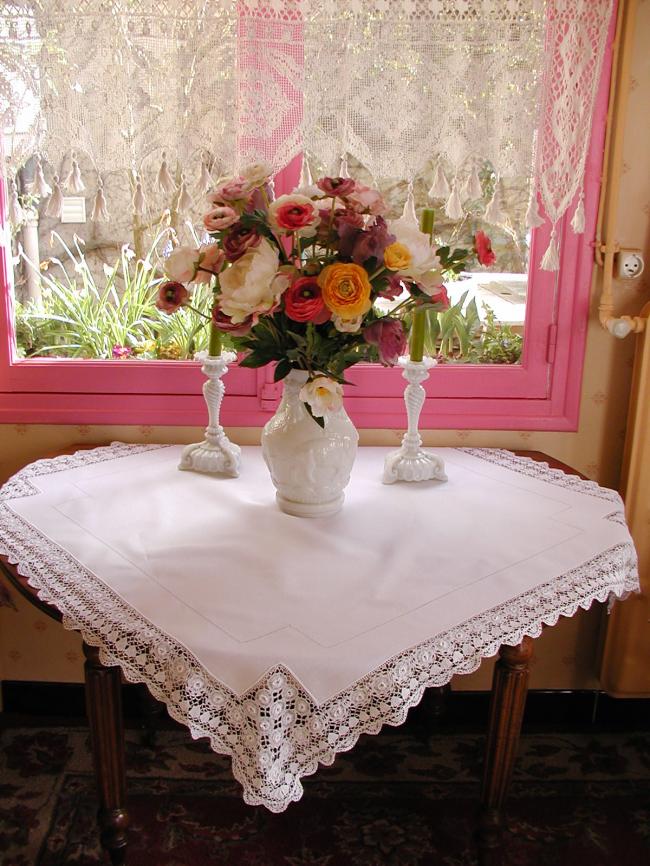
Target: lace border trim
{"points": [[275, 733]]}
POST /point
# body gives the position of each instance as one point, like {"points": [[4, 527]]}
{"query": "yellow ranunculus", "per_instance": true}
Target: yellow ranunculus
{"points": [[346, 290], [397, 257]]}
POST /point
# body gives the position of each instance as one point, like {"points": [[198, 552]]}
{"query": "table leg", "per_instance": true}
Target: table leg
{"points": [[104, 708], [509, 687], [152, 713]]}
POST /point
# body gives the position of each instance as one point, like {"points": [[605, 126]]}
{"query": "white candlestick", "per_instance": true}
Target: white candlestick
{"points": [[216, 453], [411, 462]]}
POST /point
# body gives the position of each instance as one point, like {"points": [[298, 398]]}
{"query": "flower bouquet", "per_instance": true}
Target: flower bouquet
{"points": [[314, 281]]}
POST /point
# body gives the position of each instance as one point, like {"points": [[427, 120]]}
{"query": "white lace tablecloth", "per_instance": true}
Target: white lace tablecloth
{"points": [[283, 639]]}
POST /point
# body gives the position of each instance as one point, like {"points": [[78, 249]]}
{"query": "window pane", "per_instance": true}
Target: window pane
{"points": [[87, 288]]}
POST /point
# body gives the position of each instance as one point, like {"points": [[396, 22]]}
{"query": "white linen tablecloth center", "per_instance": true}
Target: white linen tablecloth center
{"points": [[281, 638]]}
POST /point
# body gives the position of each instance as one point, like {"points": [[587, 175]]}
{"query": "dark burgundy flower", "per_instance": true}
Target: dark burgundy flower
{"points": [[393, 288], [344, 216], [225, 323], [238, 240], [372, 242], [390, 338], [337, 186], [171, 296]]}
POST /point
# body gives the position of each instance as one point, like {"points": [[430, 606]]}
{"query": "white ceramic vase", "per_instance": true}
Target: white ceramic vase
{"points": [[310, 466]]}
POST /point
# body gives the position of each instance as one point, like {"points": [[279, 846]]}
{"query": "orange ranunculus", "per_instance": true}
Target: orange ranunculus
{"points": [[346, 290], [397, 257]]}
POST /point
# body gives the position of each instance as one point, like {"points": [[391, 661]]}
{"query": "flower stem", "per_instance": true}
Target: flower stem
{"points": [[198, 312]]}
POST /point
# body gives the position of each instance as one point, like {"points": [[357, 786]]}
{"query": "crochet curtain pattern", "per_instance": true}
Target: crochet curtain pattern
{"points": [[200, 87]]}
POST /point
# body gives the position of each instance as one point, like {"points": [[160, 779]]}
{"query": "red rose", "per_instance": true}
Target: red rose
{"points": [[483, 249], [171, 296], [292, 213], [303, 302]]}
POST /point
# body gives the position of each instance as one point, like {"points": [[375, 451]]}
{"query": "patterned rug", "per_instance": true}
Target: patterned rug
{"points": [[403, 798]]}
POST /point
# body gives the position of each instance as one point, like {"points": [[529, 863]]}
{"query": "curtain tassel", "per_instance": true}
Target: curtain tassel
{"points": [[16, 212], [41, 186], [454, 207], [73, 182], [100, 210], [139, 202], [494, 212], [533, 217], [472, 189], [164, 179], [205, 183], [306, 180], [408, 214], [440, 187], [55, 204], [184, 201], [551, 260], [578, 221]]}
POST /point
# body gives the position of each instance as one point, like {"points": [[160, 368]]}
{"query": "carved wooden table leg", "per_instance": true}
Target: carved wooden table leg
{"points": [[507, 703], [104, 708]]}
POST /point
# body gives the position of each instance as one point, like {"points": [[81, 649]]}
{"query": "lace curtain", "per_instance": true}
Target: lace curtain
{"points": [[198, 87]]}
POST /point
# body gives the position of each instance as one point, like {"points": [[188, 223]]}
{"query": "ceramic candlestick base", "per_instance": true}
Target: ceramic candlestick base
{"points": [[411, 462], [216, 454]]}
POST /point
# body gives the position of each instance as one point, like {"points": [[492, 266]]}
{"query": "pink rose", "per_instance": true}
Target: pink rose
{"points": [[239, 240], [211, 259], [220, 218], [171, 296], [337, 186], [122, 352], [437, 295], [389, 337], [368, 200], [234, 189]]}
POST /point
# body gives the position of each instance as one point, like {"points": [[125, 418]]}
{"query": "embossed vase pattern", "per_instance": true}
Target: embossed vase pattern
{"points": [[310, 466]]}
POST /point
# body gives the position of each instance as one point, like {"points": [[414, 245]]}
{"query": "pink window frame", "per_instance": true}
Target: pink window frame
{"points": [[541, 393]]}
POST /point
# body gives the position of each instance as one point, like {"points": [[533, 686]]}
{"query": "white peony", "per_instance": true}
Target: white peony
{"points": [[249, 285], [425, 264], [323, 395], [257, 173], [181, 264], [347, 326]]}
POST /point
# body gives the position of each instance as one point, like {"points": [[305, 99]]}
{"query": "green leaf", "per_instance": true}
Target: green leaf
{"points": [[282, 369], [317, 418]]}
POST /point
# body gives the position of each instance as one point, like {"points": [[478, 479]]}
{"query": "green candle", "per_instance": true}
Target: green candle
{"points": [[214, 349], [426, 221], [416, 348]]}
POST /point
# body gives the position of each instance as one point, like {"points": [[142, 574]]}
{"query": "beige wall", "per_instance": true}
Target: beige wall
{"points": [[33, 647]]}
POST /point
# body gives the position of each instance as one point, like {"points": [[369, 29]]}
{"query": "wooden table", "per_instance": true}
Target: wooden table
{"points": [[104, 709]]}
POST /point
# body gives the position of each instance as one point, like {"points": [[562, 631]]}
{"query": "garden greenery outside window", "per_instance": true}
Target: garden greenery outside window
{"points": [[91, 225]]}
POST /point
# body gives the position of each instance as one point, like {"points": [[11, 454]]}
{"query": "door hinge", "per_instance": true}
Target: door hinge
{"points": [[551, 343]]}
